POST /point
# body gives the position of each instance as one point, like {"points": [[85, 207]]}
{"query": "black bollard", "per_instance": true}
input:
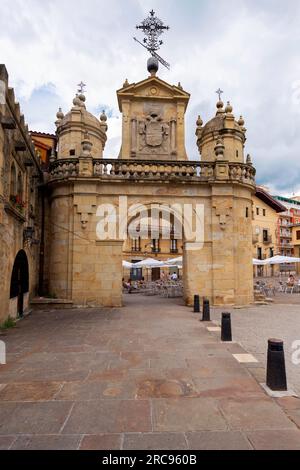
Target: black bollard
{"points": [[206, 310], [276, 373], [226, 334], [196, 304]]}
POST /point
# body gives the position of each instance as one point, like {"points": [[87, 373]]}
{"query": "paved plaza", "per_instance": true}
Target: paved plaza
{"points": [[147, 376], [253, 326]]}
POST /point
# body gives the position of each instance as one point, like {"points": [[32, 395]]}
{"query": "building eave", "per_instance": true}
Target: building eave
{"points": [[269, 200]]}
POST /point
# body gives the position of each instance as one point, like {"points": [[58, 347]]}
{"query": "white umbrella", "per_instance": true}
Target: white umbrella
{"points": [[175, 262], [149, 263], [259, 262], [127, 265], [282, 260]]}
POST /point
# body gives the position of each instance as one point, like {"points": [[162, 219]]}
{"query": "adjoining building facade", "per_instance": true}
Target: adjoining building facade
{"points": [[296, 243], [21, 214], [286, 219], [266, 213], [44, 145]]}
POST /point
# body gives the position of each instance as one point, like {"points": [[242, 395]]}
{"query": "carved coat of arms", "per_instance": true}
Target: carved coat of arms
{"points": [[154, 130]]}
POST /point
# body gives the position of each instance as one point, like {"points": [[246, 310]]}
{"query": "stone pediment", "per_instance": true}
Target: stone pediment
{"points": [[152, 88]]}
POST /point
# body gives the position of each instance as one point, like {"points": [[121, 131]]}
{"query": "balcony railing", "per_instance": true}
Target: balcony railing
{"points": [[267, 240], [286, 245], [117, 169]]}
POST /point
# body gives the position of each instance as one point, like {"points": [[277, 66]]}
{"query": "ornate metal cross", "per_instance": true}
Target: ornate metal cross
{"points": [[220, 93], [81, 87], [153, 28]]}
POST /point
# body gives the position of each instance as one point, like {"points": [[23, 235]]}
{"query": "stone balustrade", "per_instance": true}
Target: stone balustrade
{"points": [[64, 168], [149, 170]]}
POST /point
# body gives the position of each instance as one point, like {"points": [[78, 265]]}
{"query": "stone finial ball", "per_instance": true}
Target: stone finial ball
{"points": [[241, 121], [199, 122], [152, 65], [60, 115], [76, 101], [103, 117], [228, 108]]}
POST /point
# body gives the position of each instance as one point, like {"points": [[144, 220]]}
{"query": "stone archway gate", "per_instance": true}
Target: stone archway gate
{"points": [[89, 270]]}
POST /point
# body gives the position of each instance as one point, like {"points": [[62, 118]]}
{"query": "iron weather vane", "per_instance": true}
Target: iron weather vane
{"points": [[153, 28]]}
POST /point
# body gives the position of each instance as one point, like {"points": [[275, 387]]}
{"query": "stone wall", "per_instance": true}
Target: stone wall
{"points": [[17, 152], [89, 271]]}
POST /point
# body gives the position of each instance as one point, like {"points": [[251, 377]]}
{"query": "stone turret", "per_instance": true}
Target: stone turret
{"points": [[223, 126], [72, 127]]}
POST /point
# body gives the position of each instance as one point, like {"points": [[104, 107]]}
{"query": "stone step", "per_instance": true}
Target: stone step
{"points": [[42, 303]]}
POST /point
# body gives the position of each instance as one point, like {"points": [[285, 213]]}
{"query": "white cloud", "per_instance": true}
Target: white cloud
{"points": [[249, 48]]}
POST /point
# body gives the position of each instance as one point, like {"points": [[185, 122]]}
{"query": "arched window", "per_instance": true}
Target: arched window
{"points": [[13, 178]]}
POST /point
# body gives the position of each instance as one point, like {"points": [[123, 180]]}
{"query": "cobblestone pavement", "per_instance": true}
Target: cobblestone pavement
{"points": [[148, 376], [252, 327]]}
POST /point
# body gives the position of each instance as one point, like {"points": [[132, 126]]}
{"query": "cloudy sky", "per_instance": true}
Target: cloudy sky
{"points": [[249, 48]]}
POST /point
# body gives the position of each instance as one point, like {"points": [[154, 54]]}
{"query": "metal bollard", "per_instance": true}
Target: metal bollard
{"points": [[276, 373], [206, 310], [226, 334], [197, 304]]}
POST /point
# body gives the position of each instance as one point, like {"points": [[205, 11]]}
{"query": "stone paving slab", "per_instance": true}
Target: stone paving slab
{"points": [[109, 416], [228, 387], [220, 440], [102, 442], [294, 415], [97, 389], [289, 403], [155, 441], [276, 439], [187, 414], [248, 413], [148, 376], [36, 418], [32, 392], [47, 443], [6, 442]]}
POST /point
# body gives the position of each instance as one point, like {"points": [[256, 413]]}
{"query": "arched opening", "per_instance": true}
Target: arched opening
{"points": [[19, 285], [154, 232]]}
